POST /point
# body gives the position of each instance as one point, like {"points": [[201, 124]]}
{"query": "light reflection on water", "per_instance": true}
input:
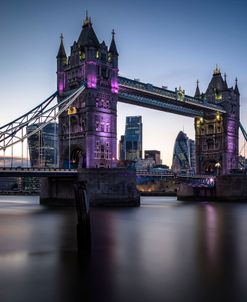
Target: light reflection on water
{"points": [[165, 250], [18, 199]]}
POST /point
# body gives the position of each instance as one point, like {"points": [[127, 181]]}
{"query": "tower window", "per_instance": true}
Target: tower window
{"points": [[104, 73]]}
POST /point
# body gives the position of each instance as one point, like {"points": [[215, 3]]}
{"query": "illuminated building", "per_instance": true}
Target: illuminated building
{"points": [[216, 133], [133, 138], [87, 136]]}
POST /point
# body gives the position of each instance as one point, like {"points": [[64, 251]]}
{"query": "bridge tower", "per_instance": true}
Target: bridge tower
{"points": [[217, 134], [87, 132]]}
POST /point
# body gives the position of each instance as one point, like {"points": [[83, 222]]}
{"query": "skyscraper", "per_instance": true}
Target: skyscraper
{"points": [[183, 154], [133, 138], [43, 146]]}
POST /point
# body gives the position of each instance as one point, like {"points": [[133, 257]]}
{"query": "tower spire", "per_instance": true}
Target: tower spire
{"points": [[217, 70], [61, 52], [197, 93], [87, 21], [113, 47], [236, 87]]}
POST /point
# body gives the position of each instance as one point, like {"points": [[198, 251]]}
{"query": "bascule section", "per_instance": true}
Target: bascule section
{"points": [[216, 133], [87, 131]]}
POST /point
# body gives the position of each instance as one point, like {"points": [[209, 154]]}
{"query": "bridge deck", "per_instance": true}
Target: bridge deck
{"points": [[146, 95], [37, 172]]}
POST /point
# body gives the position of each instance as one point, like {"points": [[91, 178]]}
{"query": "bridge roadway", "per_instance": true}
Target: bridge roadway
{"points": [[153, 97], [45, 172], [37, 172]]}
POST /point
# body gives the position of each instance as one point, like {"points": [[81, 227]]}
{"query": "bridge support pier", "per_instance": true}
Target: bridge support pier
{"points": [[105, 187], [227, 188]]}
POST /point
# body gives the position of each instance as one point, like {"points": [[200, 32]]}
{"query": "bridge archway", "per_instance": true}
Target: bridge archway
{"points": [[210, 167], [78, 158]]}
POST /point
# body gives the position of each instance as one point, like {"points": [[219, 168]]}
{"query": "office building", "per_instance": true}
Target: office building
{"points": [[154, 154], [43, 145], [133, 138]]}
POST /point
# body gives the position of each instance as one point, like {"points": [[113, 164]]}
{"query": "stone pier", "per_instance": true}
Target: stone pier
{"points": [[105, 187], [227, 188]]}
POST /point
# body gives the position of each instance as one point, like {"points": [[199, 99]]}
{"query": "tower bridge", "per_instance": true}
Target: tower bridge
{"points": [[85, 107]]}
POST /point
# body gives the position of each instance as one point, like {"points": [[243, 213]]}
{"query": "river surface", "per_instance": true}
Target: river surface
{"points": [[164, 250]]}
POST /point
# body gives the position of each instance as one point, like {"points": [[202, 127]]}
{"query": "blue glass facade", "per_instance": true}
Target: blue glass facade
{"points": [[133, 138], [43, 146], [183, 161]]}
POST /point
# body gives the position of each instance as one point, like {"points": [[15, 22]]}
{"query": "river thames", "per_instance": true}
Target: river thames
{"points": [[165, 250]]}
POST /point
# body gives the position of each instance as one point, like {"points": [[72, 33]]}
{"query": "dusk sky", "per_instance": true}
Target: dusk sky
{"points": [[170, 43]]}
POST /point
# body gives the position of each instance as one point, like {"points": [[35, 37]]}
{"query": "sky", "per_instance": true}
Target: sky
{"points": [[171, 43]]}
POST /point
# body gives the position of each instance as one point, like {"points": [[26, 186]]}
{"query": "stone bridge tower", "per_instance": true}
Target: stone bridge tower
{"points": [[217, 134], [87, 132]]}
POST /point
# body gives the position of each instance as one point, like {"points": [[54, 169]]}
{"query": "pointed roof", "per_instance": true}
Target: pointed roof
{"points": [[197, 93], [236, 87], [217, 83], [225, 82], [103, 45], [181, 136], [87, 36], [61, 52], [113, 47]]}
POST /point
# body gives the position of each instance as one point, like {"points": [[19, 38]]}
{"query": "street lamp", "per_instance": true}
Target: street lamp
{"points": [[71, 111], [218, 166]]}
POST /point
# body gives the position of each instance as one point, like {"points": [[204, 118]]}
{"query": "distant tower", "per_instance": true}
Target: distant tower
{"points": [[181, 154], [216, 133], [133, 138], [87, 137]]}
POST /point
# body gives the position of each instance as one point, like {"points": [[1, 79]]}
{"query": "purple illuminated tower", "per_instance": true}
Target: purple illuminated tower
{"points": [[87, 136], [217, 134]]}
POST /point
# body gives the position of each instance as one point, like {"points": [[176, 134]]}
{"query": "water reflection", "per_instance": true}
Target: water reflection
{"points": [[162, 251]]}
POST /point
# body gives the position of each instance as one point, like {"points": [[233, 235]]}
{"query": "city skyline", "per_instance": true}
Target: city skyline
{"points": [[151, 48]]}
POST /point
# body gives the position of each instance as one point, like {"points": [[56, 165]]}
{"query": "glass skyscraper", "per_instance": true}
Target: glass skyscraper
{"points": [[183, 161], [43, 145], [133, 138]]}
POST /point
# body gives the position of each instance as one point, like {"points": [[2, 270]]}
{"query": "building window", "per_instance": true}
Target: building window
{"points": [[210, 129], [210, 144]]}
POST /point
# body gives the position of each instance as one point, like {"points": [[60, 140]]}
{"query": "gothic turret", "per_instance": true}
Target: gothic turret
{"points": [[216, 84], [61, 55], [61, 62], [197, 93], [113, 48], [236, 87], [88, 37]]}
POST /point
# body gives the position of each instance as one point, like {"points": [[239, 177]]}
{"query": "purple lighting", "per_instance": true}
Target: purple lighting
{"points": [[114, 86], [91, 81], [60, 87]]}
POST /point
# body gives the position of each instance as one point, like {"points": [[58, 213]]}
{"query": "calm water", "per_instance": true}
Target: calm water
{"points": [[163, 251]]}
